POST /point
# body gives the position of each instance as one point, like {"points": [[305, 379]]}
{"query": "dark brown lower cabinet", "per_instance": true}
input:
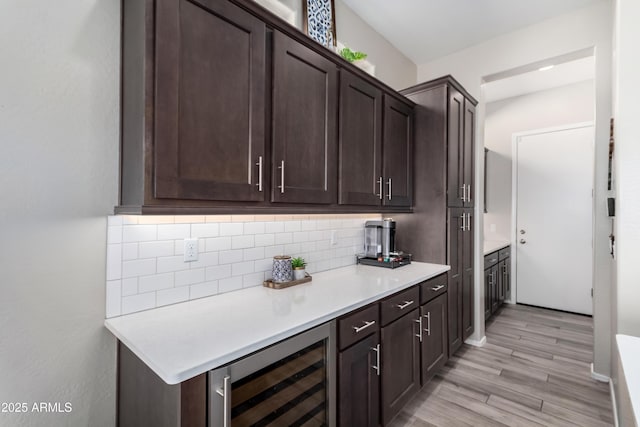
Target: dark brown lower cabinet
{"points": [[434, 336], [400, 363], [497, 280], [359, 384], [488, 275]]}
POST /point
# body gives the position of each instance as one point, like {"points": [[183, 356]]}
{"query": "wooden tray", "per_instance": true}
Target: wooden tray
{"points": [[273, 285]]}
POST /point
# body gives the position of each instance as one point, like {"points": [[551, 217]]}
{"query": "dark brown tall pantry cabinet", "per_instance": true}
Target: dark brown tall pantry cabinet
{"points": [[441, 227]]}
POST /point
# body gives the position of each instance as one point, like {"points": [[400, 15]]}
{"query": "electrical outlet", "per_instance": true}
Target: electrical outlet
{"points": [[190, 250], [334, 237]]}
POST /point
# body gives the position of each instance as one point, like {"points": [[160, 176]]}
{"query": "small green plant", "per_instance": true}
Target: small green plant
{"points": [[298, 262], [351, 56]]}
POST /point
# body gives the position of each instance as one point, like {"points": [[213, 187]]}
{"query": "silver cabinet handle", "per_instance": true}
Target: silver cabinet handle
{"points": [[281, 167], [468, 193], [428, 330], [389, 184], [225, 392], [419, 322], [405, 305], [259, 164], [362, 328], [377, 365], [464, 193], [380, 188], [492, 260], [469, 222], [464, 222], [437, 288]]}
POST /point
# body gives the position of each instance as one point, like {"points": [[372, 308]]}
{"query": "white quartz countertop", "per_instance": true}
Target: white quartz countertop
{"points": [[495, 245], [629, 349], [181, 341]]}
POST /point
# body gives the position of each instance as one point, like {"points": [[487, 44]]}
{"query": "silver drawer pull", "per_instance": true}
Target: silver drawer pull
{"points": [[259, 164], [405, 305], [281, 167], [362, 328], [428, 330], [437, 288], [377, 365], [380, 188], [419, 322]]}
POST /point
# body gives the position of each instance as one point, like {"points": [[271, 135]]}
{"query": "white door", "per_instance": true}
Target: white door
{"points": [[554, 217]]}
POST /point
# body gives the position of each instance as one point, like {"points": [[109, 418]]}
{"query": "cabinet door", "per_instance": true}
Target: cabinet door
{"points": [[359, 384], [467, 275], [397, 149], [434, 342], [487, 293], [360, 142], [209, 101], [455, 292], [400, 368], [469, 152], [304, 124], [455, 149]]}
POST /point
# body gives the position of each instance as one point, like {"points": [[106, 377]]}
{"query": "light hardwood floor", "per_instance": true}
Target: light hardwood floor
{"points": [[534, 370]]}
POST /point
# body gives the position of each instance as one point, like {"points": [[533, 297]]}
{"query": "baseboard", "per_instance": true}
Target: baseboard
{"points": [[612, 390], [476, 343], [599, 377]]}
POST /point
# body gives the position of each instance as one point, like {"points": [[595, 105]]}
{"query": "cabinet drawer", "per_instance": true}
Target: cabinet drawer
{"points": [[355, 326], [399, 304], [432, 288], [490, 260], [504, 253]]}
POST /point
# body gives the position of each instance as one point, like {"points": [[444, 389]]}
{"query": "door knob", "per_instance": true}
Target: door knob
{"points": [[522, 231], [523, 241]]}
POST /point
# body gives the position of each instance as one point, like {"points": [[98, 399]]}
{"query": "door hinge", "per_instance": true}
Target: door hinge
{"points": [[591, 292]]}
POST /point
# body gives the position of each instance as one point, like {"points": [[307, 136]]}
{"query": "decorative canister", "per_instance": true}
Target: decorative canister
{"points": [[282, 271]]}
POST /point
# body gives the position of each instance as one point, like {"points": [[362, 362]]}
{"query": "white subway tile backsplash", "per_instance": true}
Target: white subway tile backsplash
{"points": [[265, 239], [139, 302], [174, 231], [242, 242], [136, 268], [230, 284], [155, 282], [231, 228], [254, 228], [139, 233], [205, 259], [229, 257], [253, 254], [129, 286], [114, 261], [242, 268], [203, 289], [172, 263], [114, 298], [146, 268], [205, 230], [155, 249], [218, 244], [129, 251], [172, 296], [189, 277], [218, 272]]}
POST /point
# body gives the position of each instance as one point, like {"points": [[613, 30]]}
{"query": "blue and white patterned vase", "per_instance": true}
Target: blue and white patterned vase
{"points": [[282, 271]]}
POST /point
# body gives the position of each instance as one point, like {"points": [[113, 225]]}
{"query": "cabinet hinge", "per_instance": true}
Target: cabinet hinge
{"points": [[591, 292]]}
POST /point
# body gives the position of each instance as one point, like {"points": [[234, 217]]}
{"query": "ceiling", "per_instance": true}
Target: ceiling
{"points": [[428, 29], [575, 71]]}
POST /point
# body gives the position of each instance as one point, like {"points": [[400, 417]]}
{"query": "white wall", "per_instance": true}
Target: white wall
{"points": [[549, 108], [586, 28], [626, 292], [58, 181], [392, 67]]}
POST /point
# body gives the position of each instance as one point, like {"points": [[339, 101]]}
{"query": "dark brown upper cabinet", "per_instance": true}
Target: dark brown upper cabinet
{"points": [[397, 150], [468, 142], [209, 102], [456, 187], [305, 96], [360, 142]]}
